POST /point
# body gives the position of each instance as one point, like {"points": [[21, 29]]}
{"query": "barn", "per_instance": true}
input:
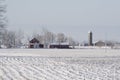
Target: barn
{"points": [[35, 43], [60, 46]]}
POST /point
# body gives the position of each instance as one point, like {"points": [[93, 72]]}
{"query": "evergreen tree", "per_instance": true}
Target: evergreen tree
{"points": [[3, 21]]}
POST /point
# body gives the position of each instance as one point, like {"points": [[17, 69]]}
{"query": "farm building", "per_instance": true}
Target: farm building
{"points": [[35, 43], [104, 43], [60, 46], [100, 43]]}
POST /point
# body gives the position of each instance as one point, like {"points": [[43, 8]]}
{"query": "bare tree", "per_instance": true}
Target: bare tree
{"points": [[48, 37], [61, 38], [19, 37], [13, 39], [9, 39]]}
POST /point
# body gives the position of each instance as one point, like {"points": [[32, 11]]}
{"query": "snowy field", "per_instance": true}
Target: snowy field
{"points": [[59, 64]]}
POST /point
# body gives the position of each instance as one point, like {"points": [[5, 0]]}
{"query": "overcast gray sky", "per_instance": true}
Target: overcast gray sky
{"points": [[72, 17]]}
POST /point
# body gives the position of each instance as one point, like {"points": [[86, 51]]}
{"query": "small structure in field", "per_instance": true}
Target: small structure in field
{"points": [[60, 45], [35, 43]]}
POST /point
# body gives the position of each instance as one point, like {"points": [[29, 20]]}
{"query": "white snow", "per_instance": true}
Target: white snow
{"points": [[60, 52], [59, 64]]}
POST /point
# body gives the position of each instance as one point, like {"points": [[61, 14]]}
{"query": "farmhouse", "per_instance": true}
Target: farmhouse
{"points": [[35, 43]]}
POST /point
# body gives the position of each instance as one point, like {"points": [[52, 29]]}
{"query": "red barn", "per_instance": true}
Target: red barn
{"points": [[35, 43]]}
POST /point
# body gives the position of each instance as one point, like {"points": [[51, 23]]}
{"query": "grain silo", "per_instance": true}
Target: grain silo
{"points": [[90, 38]]}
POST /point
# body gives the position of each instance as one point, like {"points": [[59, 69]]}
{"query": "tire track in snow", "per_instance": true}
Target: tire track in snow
{"points": [[53, 68]]}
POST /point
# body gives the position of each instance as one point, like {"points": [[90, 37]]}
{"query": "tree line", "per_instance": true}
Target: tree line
{"points": [[14, 39]]}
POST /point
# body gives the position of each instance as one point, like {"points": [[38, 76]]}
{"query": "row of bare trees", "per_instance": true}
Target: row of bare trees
{"points": [[47, 37], [12, 39]]}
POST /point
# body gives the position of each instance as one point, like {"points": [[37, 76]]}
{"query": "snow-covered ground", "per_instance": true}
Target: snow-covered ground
{"points": [[59, 64], [60, 52]]}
